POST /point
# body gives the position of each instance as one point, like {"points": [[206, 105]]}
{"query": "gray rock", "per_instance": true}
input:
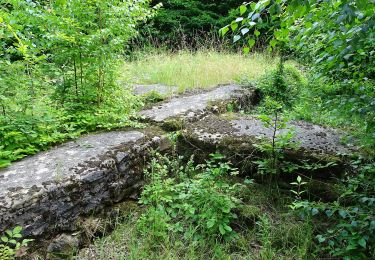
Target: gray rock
{"points": [[242, 132], [197, 103], [62, 247]]}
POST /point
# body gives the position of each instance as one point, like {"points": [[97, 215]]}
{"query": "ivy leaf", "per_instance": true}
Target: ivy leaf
{"points": [[239, 19], [256, 33], [234, 26], [329, 213], [273, 43]]}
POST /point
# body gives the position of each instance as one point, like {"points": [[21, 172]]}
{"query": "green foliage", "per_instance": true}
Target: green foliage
{"points": [[57, 70], [11, 242], [338, 33], [299, 185], [272, 160], [350, 221], [187, 22], [336, 38], [282, 84], [196, 201]]}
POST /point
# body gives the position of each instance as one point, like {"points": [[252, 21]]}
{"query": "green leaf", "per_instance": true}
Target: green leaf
{"points": [[227, 228], [273, 43], [329, 213], [236, 38], [320, 238], [253, 6], [234, 26], [256, 33], [17, 230], [243, 9], [222, 229], [362, 242], [13, 242], [4, 239], [246, 50], [211, 223], [251, 43], [224, 30], [343, 213]]}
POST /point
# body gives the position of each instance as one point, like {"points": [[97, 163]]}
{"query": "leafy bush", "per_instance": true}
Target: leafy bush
{"points": [[349, 223], [188, 22], [57, 70], [284, 84], [334, 38], [11, 242], [195, 201]]}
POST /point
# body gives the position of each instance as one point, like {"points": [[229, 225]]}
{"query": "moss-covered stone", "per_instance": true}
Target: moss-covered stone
{"points": [[174, 124]]}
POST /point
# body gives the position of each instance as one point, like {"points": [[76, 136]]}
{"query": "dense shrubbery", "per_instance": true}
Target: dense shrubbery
{"points": [[346, 227], [57, 70], [197, 201], [187, 23], [335, 38]]}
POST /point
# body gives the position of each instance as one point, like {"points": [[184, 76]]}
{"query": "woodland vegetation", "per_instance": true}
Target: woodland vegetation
{"points": [[67, 67]]}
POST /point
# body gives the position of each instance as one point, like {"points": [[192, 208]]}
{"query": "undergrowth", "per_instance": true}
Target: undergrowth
{"points": [[206, 212]]}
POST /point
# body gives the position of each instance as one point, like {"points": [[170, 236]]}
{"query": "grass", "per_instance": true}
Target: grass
{"points": [[201, 69]]}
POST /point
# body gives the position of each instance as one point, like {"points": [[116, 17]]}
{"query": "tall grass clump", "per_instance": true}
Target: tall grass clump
{"points": [[199, 69]]}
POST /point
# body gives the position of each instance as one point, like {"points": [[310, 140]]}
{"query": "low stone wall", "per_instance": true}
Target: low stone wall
{"points": [[47, 193], [237, 135]]}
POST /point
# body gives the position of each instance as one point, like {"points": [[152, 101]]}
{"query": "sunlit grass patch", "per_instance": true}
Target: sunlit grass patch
{"points": [[201, 69]]}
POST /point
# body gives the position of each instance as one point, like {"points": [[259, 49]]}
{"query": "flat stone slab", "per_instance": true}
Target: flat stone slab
{"points": [[158, 88], [47, 193], [311, 138], [62, 161], [179, 106]]}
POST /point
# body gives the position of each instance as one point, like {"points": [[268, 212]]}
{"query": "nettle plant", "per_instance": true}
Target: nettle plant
{"points": [[195, 201]]}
